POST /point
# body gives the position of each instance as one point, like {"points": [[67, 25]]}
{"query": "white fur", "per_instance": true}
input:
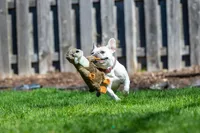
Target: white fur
{"points": [[118, 74]]}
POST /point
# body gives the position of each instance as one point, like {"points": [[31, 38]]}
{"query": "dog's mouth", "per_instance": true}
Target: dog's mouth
{"points": [[102, 60]]}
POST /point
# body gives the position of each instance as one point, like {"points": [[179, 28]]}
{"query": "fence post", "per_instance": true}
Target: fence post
{"points": [[94, 30], [107, 20], [24, 58], [86, 26], [65, 33], [173, 35], [1, 60], [194, 23], [4, 53], [44, 45], [152, 35], [130, 35]]}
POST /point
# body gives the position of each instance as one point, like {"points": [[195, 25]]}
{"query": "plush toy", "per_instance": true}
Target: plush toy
{"points": [[94, 78]]}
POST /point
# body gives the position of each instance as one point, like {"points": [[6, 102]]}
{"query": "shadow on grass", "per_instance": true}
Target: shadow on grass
{"points": [[60, 102], [142, 123], [168, 93]]}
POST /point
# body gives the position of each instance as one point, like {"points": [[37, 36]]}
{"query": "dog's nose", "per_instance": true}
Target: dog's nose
{"points": [[96, 54]]}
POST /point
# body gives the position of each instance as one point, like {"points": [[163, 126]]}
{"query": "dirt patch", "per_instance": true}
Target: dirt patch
{"points": [[141, 80], [56, 79], [177, 79]]}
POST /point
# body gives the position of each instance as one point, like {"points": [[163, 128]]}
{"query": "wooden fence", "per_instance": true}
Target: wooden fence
{"points": [[151, 34]]}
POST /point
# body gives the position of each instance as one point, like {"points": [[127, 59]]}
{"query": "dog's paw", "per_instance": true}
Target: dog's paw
{"points": [[98, 94], [125, 93], [117, 99]]}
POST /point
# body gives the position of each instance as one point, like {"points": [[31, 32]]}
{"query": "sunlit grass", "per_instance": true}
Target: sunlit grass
{"points": [[51, 110]]}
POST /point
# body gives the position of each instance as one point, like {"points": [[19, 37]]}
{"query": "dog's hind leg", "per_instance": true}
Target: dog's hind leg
{"points": [[126, 85]]}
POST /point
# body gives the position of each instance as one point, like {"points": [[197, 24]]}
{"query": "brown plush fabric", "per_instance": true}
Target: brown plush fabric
{"points": [[91, 75]]}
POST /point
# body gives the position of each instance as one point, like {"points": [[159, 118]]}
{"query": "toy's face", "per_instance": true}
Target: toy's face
{"points": [[74, 54], [77, 53]]}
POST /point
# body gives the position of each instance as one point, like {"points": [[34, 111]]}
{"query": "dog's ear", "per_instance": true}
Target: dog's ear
{"points": [[94, 46], [112, 45]]}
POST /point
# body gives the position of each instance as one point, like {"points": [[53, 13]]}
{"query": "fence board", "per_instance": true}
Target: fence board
{"points": [[52, 38], [107, 20], [173, 34], [150, 48], [32, 3], [66, 33], [10, 40], [152, 35], [115, 29], [24, 64], [31, 33], [130, 34], [73, 20], [86, 27], [94, 30], [115, 24], [45, 53], [4, 52], [73, 17], [194, 22], [1, 60], [31, 38]]}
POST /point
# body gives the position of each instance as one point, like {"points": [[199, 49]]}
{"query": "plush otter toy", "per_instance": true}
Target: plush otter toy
{"points": [[94, 78]]}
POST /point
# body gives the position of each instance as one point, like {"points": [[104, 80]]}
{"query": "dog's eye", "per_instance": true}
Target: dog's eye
{"points": [[77, 51], [102, 52], [92, 53]]}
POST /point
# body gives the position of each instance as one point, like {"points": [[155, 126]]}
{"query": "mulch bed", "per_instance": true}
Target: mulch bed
{"points": [[140, 80]]}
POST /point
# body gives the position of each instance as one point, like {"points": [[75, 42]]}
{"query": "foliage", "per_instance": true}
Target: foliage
{"points": [[51, 110]]}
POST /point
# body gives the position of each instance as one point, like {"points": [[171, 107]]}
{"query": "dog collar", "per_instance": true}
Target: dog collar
{"points": [[109, 69]]}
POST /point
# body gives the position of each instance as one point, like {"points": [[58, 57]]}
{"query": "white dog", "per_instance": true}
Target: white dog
{"points": [[115, 71]]}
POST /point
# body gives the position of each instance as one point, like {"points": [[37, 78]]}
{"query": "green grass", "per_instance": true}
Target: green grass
{"points": [[52, 111]]}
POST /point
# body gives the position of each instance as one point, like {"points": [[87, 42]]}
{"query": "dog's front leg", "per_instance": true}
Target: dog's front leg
{"points": [[112, 94]]}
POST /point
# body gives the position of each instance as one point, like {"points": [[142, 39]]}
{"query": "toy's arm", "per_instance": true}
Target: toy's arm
{"points": [[84, 61], [70, 58]]}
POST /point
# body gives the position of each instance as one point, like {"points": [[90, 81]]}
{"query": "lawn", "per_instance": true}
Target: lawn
{"points": [[52, 111]]}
